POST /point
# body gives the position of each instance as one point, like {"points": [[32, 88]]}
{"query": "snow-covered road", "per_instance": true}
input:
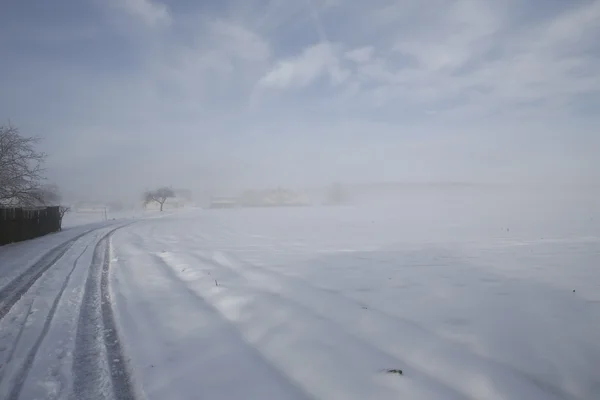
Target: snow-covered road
{"points": [[57, 330], [313, 303]]}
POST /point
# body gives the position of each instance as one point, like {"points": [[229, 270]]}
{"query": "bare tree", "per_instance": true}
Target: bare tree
{"points": [[21, 168], [62, 210], [48, 195], [159, 196]]}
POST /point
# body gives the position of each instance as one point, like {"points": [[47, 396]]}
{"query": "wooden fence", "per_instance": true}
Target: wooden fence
{"points": [[18, 224]]}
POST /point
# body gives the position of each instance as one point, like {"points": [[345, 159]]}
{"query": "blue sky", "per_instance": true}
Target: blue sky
{"points": [[130, 94]]}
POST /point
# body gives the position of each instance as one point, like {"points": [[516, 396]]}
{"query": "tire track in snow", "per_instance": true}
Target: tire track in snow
{"points": [[22, 374], [12, 292], [120, 374], [99, 367], [16, 341]]}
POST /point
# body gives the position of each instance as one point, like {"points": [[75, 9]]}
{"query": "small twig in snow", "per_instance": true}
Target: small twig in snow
{"points": [[394, 371]]}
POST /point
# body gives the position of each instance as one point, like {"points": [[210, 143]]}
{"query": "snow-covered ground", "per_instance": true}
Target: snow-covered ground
{"points": [[472, 296], [75, 218]]}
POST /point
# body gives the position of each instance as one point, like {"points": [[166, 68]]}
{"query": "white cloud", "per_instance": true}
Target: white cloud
{"points": [[438, 54], [546, 61], [238, 41], [314, 62], [444, 56], [201, 82], [360, 55], [452, 36], [150, 12], [578, 27]]}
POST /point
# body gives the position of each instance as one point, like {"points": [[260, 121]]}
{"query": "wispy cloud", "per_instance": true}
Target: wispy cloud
{"points": [[150, 12], [187, 80], [361, 55], [314, 13], [468, 53], [314, 62]]}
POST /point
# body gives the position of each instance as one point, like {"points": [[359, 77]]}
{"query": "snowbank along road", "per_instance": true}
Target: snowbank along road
{"points": [[310, 303]]}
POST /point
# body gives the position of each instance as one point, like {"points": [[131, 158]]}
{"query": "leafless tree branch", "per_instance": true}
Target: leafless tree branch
{"points": [[62, 210], [21, 168], [159, 196]]}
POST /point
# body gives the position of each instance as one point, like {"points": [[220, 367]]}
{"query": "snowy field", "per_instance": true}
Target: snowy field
{"points": [[74, 218], [471, 295]]}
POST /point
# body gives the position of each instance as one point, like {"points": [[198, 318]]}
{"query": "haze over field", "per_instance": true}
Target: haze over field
{"points": [[307, 200], [134, 94]]}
